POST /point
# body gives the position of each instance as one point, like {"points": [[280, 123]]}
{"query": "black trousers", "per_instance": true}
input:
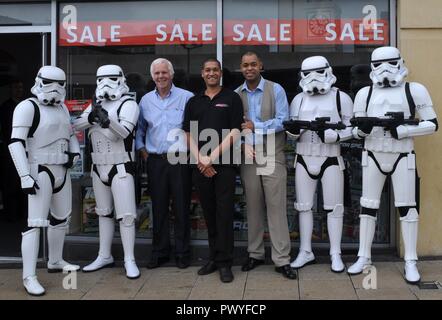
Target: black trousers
{"points": [[216, 196], [167, 181]]}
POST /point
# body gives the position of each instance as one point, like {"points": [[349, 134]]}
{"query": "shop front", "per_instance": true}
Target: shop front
{"points": [[84, 35]]}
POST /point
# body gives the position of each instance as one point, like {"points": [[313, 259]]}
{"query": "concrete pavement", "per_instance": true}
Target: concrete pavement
{"points": [[263, 283]]}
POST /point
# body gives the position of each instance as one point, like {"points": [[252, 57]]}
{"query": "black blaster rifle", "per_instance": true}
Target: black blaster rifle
{"points": [[393, 120], [98, 114], [319, 124]]}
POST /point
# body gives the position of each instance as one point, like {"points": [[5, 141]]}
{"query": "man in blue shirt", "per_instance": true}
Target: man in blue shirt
{"points": [[264, 173], [163, 145]]}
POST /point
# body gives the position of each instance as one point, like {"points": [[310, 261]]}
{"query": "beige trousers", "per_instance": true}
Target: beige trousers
{"points": [[266, 195]]}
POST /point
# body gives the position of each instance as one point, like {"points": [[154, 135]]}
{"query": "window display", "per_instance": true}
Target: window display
{"points": [[134, 33]]}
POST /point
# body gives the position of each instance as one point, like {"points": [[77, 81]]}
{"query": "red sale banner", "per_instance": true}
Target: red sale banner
{"points": [[114, 33], [77, 105], [305, 32], [236, 32]]}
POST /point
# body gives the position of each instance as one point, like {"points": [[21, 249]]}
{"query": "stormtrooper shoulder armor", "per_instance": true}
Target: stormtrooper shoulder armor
{"points": [[346, 106], [24, 114], [360, 104], [294, 106], [424, 108], [422, 101], [129, 112]]}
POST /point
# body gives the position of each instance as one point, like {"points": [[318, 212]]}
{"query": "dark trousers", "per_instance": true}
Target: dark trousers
{"points": [[216, 196], [167, 181]]}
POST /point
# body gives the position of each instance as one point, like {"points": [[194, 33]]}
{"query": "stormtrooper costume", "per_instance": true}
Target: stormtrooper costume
{"points": [[319, 156], [43, 146], [390, 152], [111, 132]]}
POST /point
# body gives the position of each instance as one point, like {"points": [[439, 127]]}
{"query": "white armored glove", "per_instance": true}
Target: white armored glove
{"points": [[29, 185], [73, 158]]}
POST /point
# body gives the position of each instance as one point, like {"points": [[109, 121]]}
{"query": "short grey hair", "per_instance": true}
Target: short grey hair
{"points": [[160, 61]]}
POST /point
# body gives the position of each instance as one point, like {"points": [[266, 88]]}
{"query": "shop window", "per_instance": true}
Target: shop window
{"points": [[131, 34], [283, 33], [24, 14]]}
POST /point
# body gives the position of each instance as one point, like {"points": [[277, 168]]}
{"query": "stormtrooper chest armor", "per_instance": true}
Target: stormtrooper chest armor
{"points": [[385, 100], [312, 107], [51, 137], [107, 146]]}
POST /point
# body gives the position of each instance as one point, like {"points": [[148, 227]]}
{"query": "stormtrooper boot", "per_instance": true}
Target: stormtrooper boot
{"points": [[128, 238], [334, 225], [56, 235], [29, 249], [305, 255], [366, 234], [409, 228], [104, 259]]}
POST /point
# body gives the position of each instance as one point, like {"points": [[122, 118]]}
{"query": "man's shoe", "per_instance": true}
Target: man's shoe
{"points": [[99, 263], [157, 262], [286, 271], [208, 268], [251, 264], [182, 262], [225, 274]]}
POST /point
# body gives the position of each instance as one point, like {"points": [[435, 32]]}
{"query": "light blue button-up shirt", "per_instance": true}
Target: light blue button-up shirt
{"points": [[254, 98], [159, 120]]}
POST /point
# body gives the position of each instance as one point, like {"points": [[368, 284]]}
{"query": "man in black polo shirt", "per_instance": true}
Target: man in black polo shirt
{"points": [[219, 112]]}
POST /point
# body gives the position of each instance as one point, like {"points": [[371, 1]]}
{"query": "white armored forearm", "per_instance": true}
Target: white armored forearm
{"points": [[122, 129], [346, 114], [345, 134], [74, 146], [82, 122], [128, 118], [21, 124], [425, 110], [18, 155], [423, 128]]}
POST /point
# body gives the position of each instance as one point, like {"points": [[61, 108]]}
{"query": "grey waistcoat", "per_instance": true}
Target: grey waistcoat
{"points": [[268, 111]]}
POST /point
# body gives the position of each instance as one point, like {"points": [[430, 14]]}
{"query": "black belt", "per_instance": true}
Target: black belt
{"points": [[164, 155]]}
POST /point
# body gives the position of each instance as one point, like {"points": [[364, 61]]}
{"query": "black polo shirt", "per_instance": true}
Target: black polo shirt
{"points": [[224, 111]]}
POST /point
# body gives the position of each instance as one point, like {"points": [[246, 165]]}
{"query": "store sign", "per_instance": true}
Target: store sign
{"points": [[314, 31], [77, 106]]}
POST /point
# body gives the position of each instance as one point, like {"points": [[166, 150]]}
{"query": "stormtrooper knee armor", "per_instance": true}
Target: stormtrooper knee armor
{"points": [[111, 120], [389, 151], [319, 157], [43, 146]]}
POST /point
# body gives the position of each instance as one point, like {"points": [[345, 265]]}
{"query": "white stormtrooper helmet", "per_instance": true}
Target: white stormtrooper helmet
{"points": [[316, 76], [111, 83], [387, 67], [50, 86]]}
